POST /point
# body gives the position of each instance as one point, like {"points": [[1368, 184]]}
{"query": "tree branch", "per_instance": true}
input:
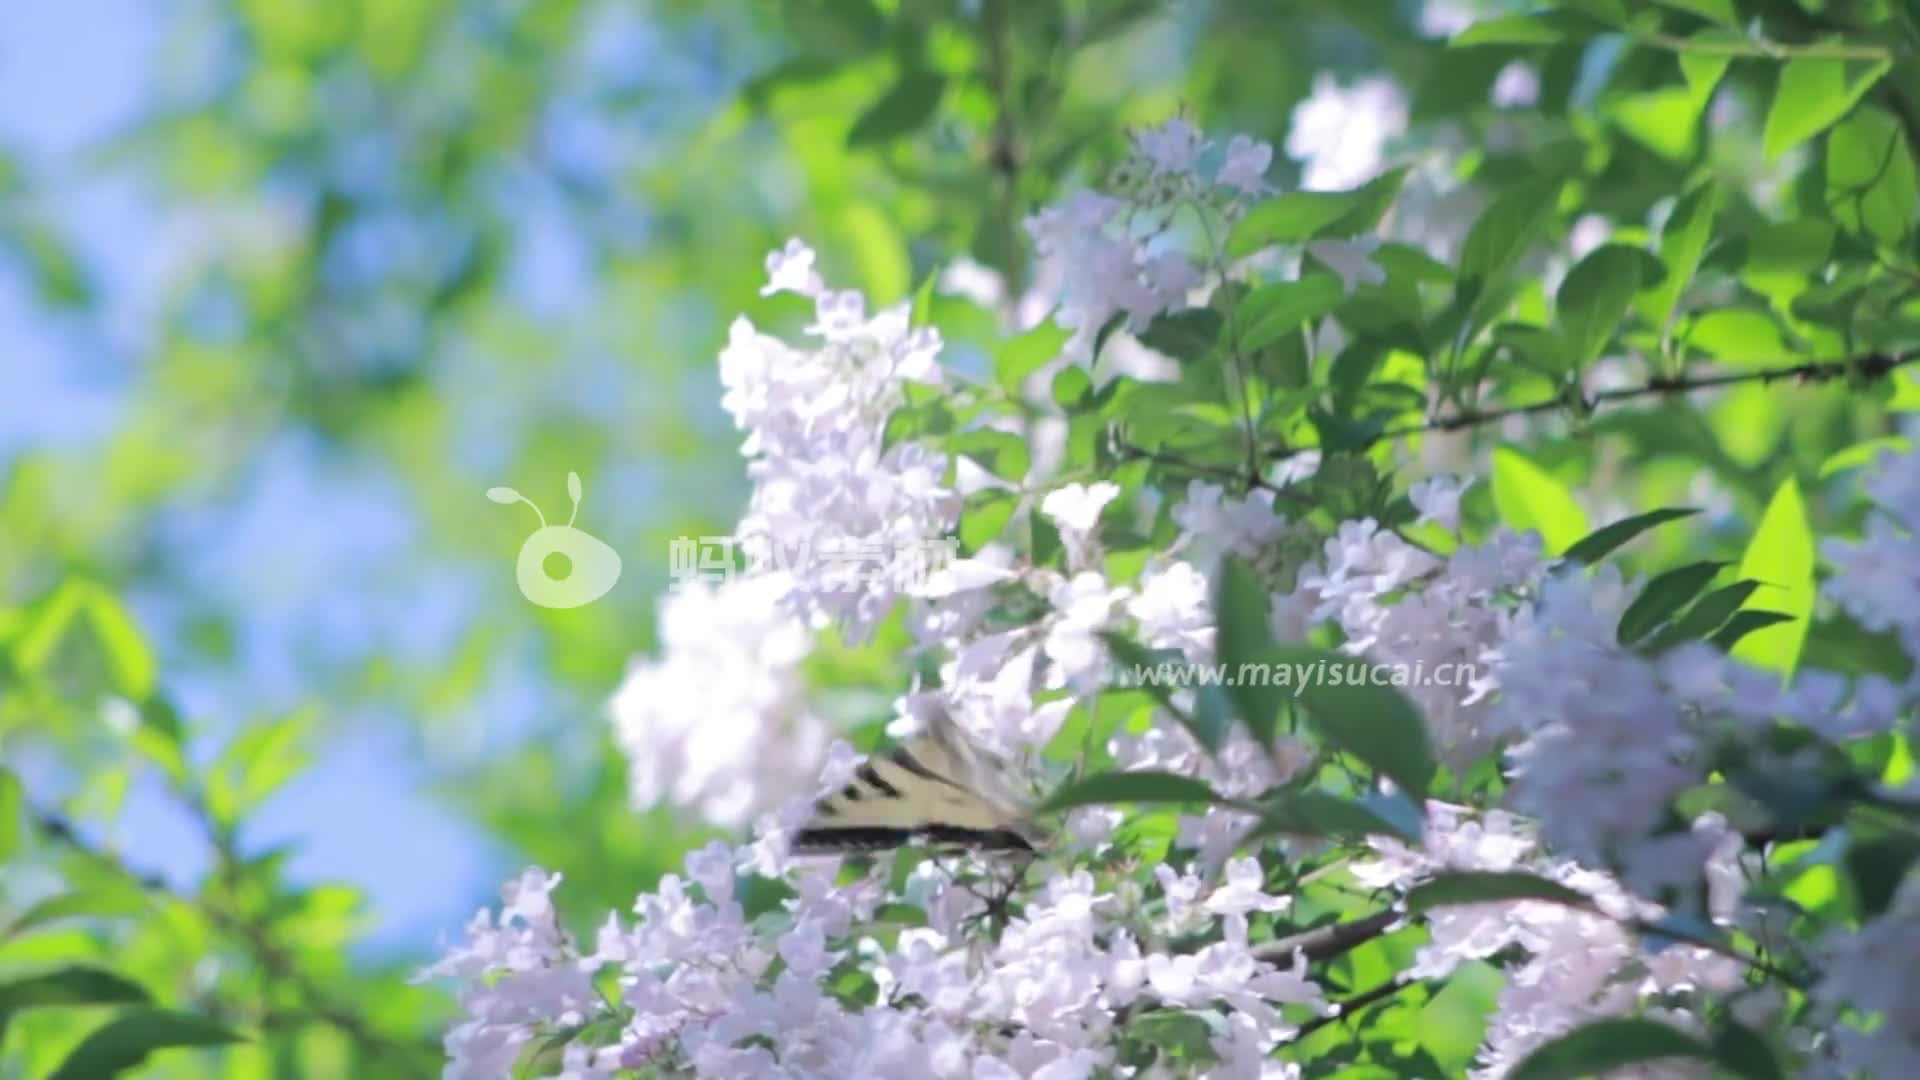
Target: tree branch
{"points": [[316, 1006], [1345, 1009], [1327, 942], [1868, 368]]}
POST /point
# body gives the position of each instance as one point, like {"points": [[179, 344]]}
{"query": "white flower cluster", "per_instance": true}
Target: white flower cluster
{"points": [[694, 723], [1340, 133], [1612, 738], [1399, 603], [1877, 578], [1579, 965], [857, 979], [703, 986], [815, 420], [1868, 999], [1117, 252]]}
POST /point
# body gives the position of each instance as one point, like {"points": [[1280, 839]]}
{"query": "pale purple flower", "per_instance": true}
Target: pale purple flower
{"points": [[1171, 148], [1246, 165]]}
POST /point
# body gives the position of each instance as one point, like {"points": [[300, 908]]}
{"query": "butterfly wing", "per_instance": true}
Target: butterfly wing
{"points": [[924, 791]]}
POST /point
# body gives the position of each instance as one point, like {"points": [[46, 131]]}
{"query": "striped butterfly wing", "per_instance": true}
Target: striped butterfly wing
{"points": [[924, 791]]}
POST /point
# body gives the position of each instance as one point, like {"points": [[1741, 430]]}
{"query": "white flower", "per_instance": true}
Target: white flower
{"points": [[1351, 259], [1245, 168], [1340, 133], [720, 721], [1876, 971], [791, 270], [1438, 500], [1445, 18], [1174, 608], [1516, 87], [1075, 509], [1171, 147], [845, 523]]}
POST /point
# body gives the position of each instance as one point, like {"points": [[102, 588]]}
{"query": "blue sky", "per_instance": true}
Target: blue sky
{"points": [[72, 74]]}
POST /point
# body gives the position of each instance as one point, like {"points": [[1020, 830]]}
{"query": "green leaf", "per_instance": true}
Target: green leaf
{"points": [[1536, 345], [1527, 497], [254, 765], [1707, 615], [1296, 217], [1025, 354], [1605, 540], [1001, 453], [1664, 595], [1503, 232], [1863, 453], [1871, 183], [1744, 622], [984, 519], [1185, 1035], [77, 985], [101, 902], [1703, 70], [1546, 28], [907, 105], [59, 277], [1141, 786], [1780, 557], [1353, 711], [1741, 336], [1664, 120], [160, 735], [1321, 813], [1811, 96], [921, 313], [1453, 888], [1273, 311], [1744, 1053], [13, 814], [1878, 866], [1241, 606], [48, 622], [1593, 299], [1184, 335], [130, 660], [1683, 240], [80, 602], [1720, 11], [125, 1041], [1071, 387], [1209, 720], [1606, 1045]]}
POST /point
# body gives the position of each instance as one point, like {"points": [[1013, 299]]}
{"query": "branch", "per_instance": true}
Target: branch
{"points": [[1327, 942], [1868, 368], [1003, 152], [1769, 50], [1232, 476], [1345, 1009], [271, 959]]}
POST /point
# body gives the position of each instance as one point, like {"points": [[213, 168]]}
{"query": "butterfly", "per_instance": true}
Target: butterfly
{"points": [[938, 789]]}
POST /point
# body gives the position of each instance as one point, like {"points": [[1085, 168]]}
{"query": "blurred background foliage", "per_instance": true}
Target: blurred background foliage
{"points": [[286, 285]]}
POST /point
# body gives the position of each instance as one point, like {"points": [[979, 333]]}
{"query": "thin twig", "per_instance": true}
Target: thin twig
{"points": [[1770, 50], [1869, 367], [1344, 1010], [1327, 942], [1233, 476], [316, 1006]]}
